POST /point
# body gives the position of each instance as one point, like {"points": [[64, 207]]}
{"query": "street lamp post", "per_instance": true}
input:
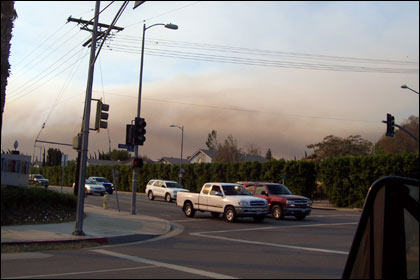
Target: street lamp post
{"points": [[136, 148], [406, 87], [182, 148]]}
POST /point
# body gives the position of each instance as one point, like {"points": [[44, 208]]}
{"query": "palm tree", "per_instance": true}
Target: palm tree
{"points": [[8, 15]]}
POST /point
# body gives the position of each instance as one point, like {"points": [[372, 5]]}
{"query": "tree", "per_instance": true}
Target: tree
{"points": [[268, 155], [8, 15], [229, 151], [212, 143], [43, 159], [333, 146], [401, 142], [116, 155], [53, 157], [119, 155], [253, 150]]}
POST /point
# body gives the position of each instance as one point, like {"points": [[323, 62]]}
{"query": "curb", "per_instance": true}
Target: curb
{"points": [[323, 208], [101, 240]]}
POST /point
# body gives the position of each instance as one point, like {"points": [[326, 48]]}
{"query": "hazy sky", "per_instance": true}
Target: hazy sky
{"points": [[278, 75]]}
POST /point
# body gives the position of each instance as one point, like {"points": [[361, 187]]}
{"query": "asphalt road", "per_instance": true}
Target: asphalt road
{"points": [[205, 247]]}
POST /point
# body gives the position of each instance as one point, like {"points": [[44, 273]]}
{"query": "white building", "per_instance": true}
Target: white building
{"points": [[15, 169]]}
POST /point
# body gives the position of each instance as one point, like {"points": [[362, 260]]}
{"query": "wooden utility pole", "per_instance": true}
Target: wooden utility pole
{"points": [[82, 151]]}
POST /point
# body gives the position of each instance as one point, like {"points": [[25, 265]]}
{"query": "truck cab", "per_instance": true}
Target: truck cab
{"points": [[281, 200], [230, 200]]}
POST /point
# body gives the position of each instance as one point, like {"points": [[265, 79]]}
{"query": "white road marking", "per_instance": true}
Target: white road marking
{"points": [[210, 234], [341, 215], [24, 256], [79, 273], [167, 265], [274, 227]]}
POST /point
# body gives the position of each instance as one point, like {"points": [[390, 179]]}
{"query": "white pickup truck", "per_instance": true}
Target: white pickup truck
{"points": [[231, 200]]}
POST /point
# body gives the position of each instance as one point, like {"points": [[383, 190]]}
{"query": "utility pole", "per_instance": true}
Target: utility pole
{"points": [[82, 153], [85, 129]]}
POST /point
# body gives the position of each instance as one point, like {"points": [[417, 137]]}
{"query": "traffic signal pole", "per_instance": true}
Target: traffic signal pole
{"points": [[136, 147], [390, 123], [85, 129], [407, 131]]}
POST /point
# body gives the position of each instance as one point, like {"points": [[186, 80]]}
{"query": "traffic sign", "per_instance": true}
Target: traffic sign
{"points": [[129, 148]]}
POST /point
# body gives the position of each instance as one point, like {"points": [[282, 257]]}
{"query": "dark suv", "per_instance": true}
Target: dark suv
{"points": [[280, 199], [38, 179]]}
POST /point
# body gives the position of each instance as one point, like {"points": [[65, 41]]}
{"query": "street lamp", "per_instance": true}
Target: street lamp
{"points": [[406, 87], [136, 148], [182, 147]]}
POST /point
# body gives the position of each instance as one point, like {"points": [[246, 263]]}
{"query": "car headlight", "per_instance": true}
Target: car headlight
{"points": [[243, 203], [290, 203]]}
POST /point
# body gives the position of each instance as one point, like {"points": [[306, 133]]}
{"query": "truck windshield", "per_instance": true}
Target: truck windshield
{"points": [[278, 189], [173, 185], [235, 190], [102, 180]]}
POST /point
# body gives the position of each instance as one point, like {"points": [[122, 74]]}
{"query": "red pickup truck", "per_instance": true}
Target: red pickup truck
{"points": [[280, 199]]}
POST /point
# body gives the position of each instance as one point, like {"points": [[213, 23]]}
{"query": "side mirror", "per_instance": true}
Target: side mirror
{"points": [[218, 194], [386, 241], [264, 193]]}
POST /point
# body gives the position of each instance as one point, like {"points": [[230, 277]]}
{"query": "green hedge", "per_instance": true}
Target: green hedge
{"points": [[18, 203], [300, 175], [345, 180]]}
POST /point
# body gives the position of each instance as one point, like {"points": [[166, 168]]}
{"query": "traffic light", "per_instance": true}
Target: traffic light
{"points": [[139, 131], [390, 121], [137, 162], [101, 115]]}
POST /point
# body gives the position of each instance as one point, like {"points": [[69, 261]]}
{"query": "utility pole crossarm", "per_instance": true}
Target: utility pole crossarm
{"points": [[56, 143], [85, 22]]}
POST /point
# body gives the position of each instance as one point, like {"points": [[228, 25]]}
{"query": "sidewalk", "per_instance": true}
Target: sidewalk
{"points": [[99, 225]]}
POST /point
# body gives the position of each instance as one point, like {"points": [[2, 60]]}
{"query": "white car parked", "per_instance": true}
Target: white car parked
{"points": [[91, 187], [164, 189]]}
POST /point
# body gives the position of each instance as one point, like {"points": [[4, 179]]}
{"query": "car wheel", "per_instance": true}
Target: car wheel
{"points": [[168, 197], [300, 218], [110, 192], [150, 195], [230, 214], [189, 210], [277, 212]]}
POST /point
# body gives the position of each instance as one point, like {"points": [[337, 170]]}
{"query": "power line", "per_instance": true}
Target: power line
{"points": [[289, 59], [22, 92], [38, 47], [239, 109], [221, 48], [164, 13], [263, 62]]}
